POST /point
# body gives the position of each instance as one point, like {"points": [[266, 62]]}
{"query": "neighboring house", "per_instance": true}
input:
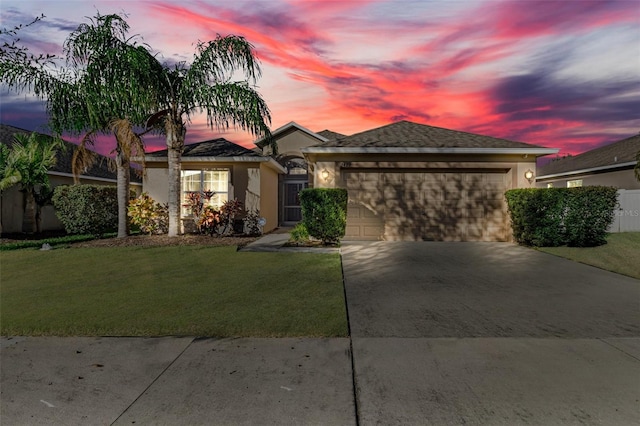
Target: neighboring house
{"points": [[12, 200], [228, 169], [609, 165], [407, 181]]}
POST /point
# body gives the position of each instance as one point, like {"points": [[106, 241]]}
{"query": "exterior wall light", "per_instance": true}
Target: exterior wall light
{"points": [[325, 174], [528, 175]]}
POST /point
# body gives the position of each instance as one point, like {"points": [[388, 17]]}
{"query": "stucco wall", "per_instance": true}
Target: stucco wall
{"points": [[156, 184], [516, 169], [291, 143], [623, 179], [269, 197]]}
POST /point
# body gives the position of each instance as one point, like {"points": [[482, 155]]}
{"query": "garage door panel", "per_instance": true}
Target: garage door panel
{"points": [[429, 206]]}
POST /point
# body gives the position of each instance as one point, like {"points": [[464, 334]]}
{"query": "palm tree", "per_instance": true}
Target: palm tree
{"points": [[206, 86], [28, 162], [109, 86]]}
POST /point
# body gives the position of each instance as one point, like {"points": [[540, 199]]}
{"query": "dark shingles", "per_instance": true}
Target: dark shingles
{"points": [[63, 164], [330, 134], [212, 148], [623, 151], [405, 134]]}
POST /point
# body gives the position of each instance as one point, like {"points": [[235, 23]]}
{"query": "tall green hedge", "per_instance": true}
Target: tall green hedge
{"points": [[548, 217], [87, 209], [324, 213]]}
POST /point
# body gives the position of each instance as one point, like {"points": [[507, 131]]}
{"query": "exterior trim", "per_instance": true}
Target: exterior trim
{"points": [[271, 162], [589, 170], [101, 179], [294, 125], [425, 150]]}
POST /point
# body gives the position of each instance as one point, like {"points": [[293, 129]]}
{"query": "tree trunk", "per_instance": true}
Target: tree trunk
{"points": [[123, 193], [175, 143], [29, 224]]}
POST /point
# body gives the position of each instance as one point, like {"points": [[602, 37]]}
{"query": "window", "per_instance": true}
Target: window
{"points": [[574, 183], [205, 180]]}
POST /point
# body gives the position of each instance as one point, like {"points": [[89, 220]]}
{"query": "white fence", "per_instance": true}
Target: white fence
{"points": [[627, 214]]}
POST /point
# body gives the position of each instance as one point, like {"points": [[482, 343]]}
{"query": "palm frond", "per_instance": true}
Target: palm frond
{"points": [[83, 158]]}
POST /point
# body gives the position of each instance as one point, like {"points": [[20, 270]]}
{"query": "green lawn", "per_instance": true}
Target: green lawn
{"points": [[621, 254], [179, 291]]}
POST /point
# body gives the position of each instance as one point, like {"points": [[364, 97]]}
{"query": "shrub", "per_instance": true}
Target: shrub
{"points": [[324, 213], [299, 234], [537, 216], [87, 209], [149, 216], [253, 223], [590, 211], [547, 217], [219, 222]]}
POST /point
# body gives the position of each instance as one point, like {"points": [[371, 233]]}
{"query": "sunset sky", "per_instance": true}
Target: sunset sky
{"points": [[563, 74]]}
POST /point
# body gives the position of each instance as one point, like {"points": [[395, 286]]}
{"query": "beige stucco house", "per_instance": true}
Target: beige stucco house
{"points": [[408, 181], [228, 169], [609, 165], [12, 199]]}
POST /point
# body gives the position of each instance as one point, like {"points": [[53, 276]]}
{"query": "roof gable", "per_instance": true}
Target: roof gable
{"points": [[406, 134], [611, 155], [290, 127]]}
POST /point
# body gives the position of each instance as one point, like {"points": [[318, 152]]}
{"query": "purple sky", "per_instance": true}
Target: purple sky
{"points": [[563, 74]]}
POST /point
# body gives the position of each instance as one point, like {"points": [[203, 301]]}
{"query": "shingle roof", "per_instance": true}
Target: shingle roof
{"points": [[623, 151], [330, 135], [212, 148], [406, 134], [63, 164]]}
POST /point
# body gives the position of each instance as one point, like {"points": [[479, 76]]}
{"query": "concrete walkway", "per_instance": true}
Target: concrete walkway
{"points": [[275, 242], [175, 381]]}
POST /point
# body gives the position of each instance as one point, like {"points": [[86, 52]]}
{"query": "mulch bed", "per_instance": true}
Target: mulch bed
{"points": [[163, 240], [160, 240]]}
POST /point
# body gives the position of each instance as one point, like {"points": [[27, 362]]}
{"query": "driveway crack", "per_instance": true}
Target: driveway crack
{"points": [[354, 381], [620, 349]]}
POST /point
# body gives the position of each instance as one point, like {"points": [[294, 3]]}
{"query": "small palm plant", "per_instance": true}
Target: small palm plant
{"points": [[27, 163]]}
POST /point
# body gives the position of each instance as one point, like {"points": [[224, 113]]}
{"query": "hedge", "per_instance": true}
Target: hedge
{"points": [[549, 217], [324, 213], [87, 209]]}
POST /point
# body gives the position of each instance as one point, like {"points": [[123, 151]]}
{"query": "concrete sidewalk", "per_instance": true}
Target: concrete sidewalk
{"points": [[275, 242], [80, 381]]}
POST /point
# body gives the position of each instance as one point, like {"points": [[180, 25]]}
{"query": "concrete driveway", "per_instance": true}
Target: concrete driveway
{"points": [[490, 333]]}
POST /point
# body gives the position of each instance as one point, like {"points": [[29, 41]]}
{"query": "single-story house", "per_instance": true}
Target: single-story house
{"points": [[228, 169], [12, 200], [609, 165], [407, 181]]}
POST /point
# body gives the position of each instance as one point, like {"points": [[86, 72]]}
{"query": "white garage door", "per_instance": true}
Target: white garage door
{"points": [[433, 206]]}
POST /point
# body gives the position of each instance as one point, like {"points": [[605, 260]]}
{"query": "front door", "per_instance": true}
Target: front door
{"points": [[291, 209]]}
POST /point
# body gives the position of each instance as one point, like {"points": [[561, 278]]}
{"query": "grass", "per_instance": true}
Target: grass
{"points": [[53, 241], [178, 291], [621, 254]]}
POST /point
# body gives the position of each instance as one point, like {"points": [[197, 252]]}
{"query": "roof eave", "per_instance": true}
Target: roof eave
{"points": [[430, 150], [238, 159], [586, 171]]}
